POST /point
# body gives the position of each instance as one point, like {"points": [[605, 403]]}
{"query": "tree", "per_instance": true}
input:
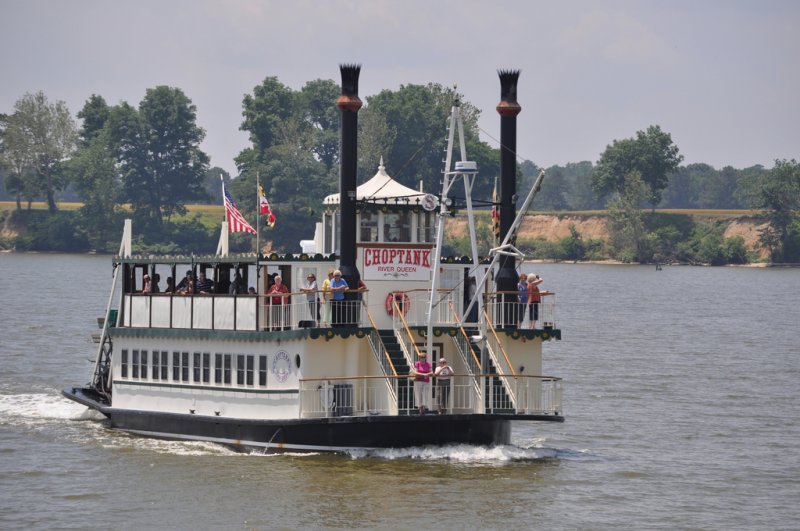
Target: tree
{"points": [[778, 192], [212, 185], [39, 135], [626, 228], [651, 153], [157, 147]]}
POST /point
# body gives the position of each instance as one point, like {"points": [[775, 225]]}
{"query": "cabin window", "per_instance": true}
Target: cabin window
{"points": [[206, 367], [185, 366], [262, 371], [218, 368], [240, 369], [124, 363], [397, 226], [249, 373], [135, 366], [196, 367], [176, 366], [226, 370], [156, 364], [164, 365], [143, 364], [426, 228], [369, 226]]}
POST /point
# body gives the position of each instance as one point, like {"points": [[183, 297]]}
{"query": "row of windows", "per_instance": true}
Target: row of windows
{"points": [[143, 365]]}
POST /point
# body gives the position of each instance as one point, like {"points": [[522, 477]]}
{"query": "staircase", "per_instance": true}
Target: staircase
{"points": [[405, 391]]}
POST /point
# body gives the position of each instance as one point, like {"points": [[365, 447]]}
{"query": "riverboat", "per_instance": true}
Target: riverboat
{"points": [[303, 372]]}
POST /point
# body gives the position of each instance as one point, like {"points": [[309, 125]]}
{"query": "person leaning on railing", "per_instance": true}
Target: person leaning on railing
{"points": [[338, 287]]}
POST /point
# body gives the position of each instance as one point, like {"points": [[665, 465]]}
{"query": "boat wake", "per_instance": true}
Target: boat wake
{"points": [[463, 453], [41, 408]]}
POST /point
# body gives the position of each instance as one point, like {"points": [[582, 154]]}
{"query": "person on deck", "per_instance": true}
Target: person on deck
{"points": [[280, 296], [182, 284], [204, 285], [522, 290], [443, 375], [534, 298], [311, 297], [147, 286], [188, 288], [327, 296], [422, 382], [338, 287], [170, 285]]}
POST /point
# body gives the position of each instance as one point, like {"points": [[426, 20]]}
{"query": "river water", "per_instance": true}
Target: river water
{"points": [[681, 402]]}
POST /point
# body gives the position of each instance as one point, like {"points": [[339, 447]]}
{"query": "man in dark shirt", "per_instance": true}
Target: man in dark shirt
{"points": [[182, 284], [203, 285]]}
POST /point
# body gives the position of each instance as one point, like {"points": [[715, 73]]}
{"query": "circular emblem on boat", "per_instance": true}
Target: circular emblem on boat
{"points": [[429, 202], [281, 366]]}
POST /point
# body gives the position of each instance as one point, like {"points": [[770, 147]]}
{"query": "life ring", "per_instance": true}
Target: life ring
{"points": [[393, 296]]}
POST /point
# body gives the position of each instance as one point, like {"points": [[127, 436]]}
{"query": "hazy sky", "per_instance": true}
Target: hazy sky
{"points": [[722, 77]]}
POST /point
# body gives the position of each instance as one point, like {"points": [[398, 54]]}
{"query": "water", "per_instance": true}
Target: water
{"points": [[681, 399]]}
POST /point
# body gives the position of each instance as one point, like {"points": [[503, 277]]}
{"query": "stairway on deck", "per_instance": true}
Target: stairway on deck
{"points": [[405, 391], [499, 394]]}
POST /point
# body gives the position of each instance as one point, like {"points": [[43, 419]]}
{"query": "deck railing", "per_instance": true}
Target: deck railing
{"points": [[256, 312], [368, 395]]}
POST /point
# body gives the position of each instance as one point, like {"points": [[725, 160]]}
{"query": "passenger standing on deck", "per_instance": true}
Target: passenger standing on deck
{"points": [[182, 284], [188, 288], [422, 382], [522, 290], [147, 286], [312, 297], [443, 375], [338, 287], [327, 295], [534, 298], [280, 294]]}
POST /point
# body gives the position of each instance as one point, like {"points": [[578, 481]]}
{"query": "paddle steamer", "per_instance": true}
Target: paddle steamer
{"points": [[305, 373]]}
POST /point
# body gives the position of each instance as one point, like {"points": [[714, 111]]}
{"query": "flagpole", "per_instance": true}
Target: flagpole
{"points": [[258, 229], [222, 247]]}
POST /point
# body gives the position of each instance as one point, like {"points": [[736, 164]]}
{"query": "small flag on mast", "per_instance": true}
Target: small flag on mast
{"points": [[264, 208], [236, 222], [495, 212]]}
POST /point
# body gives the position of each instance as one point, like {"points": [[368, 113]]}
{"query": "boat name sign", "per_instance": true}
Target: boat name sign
{"points": [[382, 263]]}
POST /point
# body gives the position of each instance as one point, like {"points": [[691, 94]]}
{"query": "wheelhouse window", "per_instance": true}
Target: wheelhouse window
{"points": [[369, 226], [397, 226]]}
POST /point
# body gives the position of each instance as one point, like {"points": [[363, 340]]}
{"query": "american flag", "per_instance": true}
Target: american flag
{"points": [[236, 222]]}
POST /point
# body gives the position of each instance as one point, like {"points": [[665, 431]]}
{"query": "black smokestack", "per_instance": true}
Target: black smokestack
{"points": [[349, 104], [508, 108]]}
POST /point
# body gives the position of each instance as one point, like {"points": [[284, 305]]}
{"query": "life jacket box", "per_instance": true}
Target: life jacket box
{"points": [[306, 324], [342, 400]]}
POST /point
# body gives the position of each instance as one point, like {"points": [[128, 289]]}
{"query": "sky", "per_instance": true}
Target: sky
{"points": [[722, 77]]}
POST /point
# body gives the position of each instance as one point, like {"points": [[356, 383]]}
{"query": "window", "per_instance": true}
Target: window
{"points": [[184, 366], [143, 365], [206, 367], [262, 371], [196, 367], [427, 227], [124, 363], [369, 226], [226, 371], [249, 374], [164, 365], [156, 365], [135, 366], [218, 368], [240, 369], [176, 366]]}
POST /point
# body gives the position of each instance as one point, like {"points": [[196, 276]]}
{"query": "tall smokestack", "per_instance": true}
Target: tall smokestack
{"points": [[508, 108], [349, 104]]}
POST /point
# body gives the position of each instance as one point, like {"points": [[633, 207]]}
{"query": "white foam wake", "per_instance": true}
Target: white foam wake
{"points": [[37, 407]]}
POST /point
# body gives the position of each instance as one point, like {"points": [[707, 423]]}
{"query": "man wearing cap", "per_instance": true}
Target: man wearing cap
{"points": [[422, 382], [443, 373]]}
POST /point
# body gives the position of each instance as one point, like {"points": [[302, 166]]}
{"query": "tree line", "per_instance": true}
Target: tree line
{"points": [[145, 161]]}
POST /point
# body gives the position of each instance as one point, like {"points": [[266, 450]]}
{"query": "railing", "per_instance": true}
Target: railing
{"points": [[255, 312], [501, 361], [381, 355], [368, 395], [238, 312], [404, 336], [503, 309]]}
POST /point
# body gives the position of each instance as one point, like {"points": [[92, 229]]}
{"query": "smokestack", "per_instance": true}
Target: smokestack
{"points": [[508, 109], [349, 104]]}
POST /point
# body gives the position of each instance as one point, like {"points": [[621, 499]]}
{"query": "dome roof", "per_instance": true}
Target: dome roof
{"points": [[379, 188]]}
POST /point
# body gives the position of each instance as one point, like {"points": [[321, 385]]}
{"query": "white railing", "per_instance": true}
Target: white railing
{"points": [[415, 305], [369, 395], [238, 312], [503, 309]]}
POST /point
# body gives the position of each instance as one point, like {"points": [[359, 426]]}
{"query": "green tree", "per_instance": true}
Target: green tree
{"points": [[652, 154], [627, 234], [778, 193], [157, 147], [38, 136], [212, 185]]}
